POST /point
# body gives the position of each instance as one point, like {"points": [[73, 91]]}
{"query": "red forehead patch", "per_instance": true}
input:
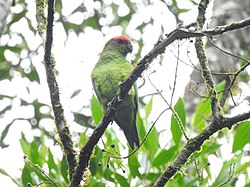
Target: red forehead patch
{"points": [[125, 38]]}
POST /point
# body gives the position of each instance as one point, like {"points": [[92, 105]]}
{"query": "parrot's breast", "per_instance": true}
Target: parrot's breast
{"points": [[109, 72]]}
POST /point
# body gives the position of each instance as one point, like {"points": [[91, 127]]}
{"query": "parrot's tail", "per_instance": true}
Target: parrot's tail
{"points": [[131, 134]]}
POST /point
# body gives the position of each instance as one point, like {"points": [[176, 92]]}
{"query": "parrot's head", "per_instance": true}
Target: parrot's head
{"points": [[122, 44]]}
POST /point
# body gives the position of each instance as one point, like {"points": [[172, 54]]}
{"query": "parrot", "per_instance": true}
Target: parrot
{"points": [[111, 69]]}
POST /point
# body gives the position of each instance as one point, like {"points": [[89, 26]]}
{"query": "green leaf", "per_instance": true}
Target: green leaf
{"points": [[25, 147], [34, 153], [64, 168], [174, 2], [68, 26], [51, 164], [83, 139], [58, 6], [134, 166], [148, 107], [4, 132], [194, 2], [92, 22], [247, 185], [112, 139], [207, 148], [227, 167], [43, 150], [121, 180], [26, 176], [140, 126], [94, 183], [152, 176], [165, 156], [203, 110], [108, 175], [175, 127], [83, 120], [3, 172], [94, 161], [32, 75], [152, 143], [96, 109], [242, 136], [75, 93], [219, 88], [17, 16], [182, 10], [177, 180], [242, 168]]}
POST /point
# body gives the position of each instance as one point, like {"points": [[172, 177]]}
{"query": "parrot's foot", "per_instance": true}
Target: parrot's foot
{"points": [[111, 106], [119, 99]]}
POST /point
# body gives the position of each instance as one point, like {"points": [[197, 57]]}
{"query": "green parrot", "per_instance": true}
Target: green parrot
{"points": [[111, 69]]}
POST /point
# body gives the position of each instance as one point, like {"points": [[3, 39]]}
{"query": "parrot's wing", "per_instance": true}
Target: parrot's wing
{"points": [[126, 118], [136, 101], [95, 88]]}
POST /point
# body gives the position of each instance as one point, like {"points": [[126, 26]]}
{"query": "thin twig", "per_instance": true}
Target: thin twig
{"points": [[198, 171], [175, 77], [176, 116], [231, 174]]}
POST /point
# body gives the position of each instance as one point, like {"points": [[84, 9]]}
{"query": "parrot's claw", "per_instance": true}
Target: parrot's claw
{"points": [[110, 105], [119, 98]]}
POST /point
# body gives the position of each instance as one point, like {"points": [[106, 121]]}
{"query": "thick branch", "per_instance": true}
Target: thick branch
{"points": [[61, 124], [179, 33]]}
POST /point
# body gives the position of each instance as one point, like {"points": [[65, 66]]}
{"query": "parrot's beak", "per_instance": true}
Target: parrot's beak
{"points": [[129, 47]]}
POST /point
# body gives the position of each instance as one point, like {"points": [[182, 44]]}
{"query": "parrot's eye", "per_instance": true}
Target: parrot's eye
{"points": [[120, 41]]}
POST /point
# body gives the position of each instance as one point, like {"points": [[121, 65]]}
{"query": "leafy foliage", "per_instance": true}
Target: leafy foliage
{"points": [[24, 100]]}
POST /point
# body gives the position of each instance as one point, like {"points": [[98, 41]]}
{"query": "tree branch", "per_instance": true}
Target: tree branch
{"points": [[185, 33], [206, 72], [85, 153], [61, 124], [194, 144]]}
